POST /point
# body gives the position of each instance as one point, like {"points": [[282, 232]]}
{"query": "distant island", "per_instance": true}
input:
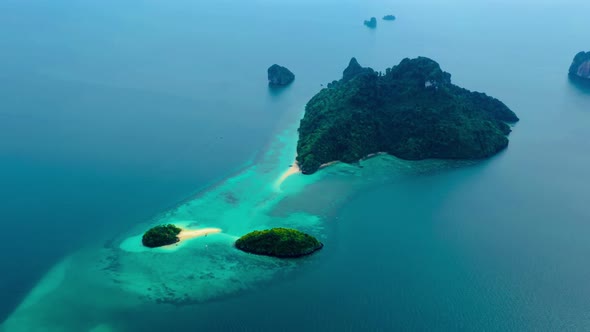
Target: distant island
{"points": [[412, 111], [279, 75], [279, 242], [371, 23], [389, 17], [580, 68], [162, 235]]}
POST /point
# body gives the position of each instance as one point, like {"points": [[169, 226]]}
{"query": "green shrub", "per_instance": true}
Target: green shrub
{"points": [[161, 236], [279, 242]]}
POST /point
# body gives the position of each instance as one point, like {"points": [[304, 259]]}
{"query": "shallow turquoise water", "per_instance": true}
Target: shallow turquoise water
{"points": [[120, 135]]}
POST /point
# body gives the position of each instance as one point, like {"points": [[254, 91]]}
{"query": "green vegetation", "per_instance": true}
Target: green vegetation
{"points": [[161, 236], [372, 23], [412, 112], [580, 67], [389, 17], [279, 242]]}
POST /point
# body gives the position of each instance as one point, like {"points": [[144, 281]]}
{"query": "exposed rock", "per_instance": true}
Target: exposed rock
{"points": [[354, 69], [580, 67], [372, 23], [278, 75]]}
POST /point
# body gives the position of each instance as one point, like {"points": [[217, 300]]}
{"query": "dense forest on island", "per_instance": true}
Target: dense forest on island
{"points": [[279, 242], [411, 111]]}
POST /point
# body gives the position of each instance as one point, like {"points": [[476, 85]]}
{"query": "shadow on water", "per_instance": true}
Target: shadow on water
{"points": [[275, 91], [581, 85]]}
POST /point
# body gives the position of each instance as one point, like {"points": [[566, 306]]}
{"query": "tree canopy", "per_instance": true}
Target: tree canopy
{"points": [[279, 242], [161, 236], [411, 111]]}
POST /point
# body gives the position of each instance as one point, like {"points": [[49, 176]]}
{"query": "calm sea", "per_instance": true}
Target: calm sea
{"points": [[114, 111]]}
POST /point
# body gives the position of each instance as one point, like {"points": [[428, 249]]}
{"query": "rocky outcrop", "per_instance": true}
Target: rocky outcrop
{"points": [[354, 69], [279, 76], [371, 23], [580, 67]]}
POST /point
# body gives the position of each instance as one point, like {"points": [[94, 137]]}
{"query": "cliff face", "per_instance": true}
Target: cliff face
{"points": [[580, 67], [413, 111], [278, 75], [584, 70]]}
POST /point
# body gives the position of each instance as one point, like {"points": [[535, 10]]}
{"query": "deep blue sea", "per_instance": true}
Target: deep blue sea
{"points": [[113, 112]]}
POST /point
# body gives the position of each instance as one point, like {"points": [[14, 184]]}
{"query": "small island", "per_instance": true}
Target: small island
{"points": [[411, 111], [279, 76], [161, 235], [279, 242], [580, 68], [389, 18], [371, 23]]}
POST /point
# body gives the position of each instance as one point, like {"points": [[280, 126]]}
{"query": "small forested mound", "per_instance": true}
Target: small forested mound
{"points": [[580, 67], [279, 242], [413, 111], [161, 236]]}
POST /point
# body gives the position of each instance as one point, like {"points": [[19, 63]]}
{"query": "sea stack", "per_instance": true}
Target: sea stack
{"points": [[580, 68], [371, 23], [279, 76]]}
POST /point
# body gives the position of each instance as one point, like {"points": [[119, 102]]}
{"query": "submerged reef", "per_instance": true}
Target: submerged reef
{"points": [[412, 111], [580, 67], [162, 235], [371, 23], [278, 75], [279, 242], [389, 18]]}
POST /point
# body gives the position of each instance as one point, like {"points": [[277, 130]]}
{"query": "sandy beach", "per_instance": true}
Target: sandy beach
{"points": [[187, 234], [294, 169]]}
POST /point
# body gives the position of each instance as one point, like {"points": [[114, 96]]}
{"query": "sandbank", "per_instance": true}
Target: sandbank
{"points": [[187, 234], [293, 169]]}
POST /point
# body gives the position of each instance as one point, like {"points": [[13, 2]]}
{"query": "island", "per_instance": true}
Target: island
{"points": [[161, 235], [279, 242], [580, 68], [411, 111], [371, 23], [389, 18], [279, 75]]}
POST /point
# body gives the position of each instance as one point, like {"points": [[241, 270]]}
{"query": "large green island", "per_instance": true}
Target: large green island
{"points": [[412, 111], [279, 242]]}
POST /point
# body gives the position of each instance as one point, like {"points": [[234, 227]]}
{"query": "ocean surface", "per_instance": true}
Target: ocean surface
{"points": [[119, 115]]}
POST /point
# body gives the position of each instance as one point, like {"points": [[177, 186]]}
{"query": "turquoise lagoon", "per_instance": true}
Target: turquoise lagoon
{"points": [[112, 112], [96, 284]]}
